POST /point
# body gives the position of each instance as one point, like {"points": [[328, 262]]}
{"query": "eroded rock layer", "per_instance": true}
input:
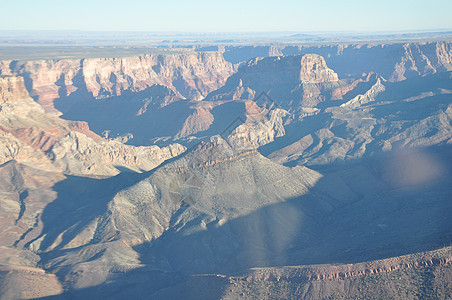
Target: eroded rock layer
{"points": [[189, 75], [30, 136], [395, 61]]}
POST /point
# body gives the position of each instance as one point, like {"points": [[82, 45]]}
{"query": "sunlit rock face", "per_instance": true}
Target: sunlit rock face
{"points": [[191, 75], [393, 61], [32, 137], [292, 81], [286, 180]]}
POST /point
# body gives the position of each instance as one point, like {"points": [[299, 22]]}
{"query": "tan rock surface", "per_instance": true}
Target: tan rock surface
{"points": [[394, 61], [315, 70], [291, 81], [35, 138], [190, 75], [222, 220]]}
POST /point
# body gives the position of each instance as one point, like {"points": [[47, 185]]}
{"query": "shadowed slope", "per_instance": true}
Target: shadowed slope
{"points": [[233, 213]]}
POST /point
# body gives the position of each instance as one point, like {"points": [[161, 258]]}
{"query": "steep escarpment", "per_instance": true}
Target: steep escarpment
{"points": [[14, 97], [291, 81], [32, 137], [394, 62], [189, 75], [368, 115], [154, 116]]}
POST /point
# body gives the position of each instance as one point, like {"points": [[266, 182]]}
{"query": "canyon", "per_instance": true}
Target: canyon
{"points": [[282, 171]]}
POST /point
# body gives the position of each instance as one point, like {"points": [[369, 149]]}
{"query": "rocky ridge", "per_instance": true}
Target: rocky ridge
{"points": [[368, 96], [339, 281], [377, 116], [185, 218]]}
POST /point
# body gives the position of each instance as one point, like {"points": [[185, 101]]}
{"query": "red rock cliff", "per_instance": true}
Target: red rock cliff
{"points": [[190, 75]]}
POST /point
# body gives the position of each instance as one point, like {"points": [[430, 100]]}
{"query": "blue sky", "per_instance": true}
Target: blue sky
{"points": [[226, 15]]}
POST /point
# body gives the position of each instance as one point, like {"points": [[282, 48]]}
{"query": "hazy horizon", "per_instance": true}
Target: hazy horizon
{"points": [[182, 39], [234, 16], [229, 32]]}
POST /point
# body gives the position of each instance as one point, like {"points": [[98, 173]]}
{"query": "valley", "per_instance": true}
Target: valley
{"points": [[228, 171]]}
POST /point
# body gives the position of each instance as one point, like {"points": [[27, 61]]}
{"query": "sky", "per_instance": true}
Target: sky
{"points": [[226, 15]]}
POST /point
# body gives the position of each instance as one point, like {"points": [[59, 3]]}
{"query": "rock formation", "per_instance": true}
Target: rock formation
{"points": [[189, 75], [368, 96], [370, 123], [78, 154], [291, 81], [32, 137], [218, 211], [395, 61], [388, 278], [289, 195]]}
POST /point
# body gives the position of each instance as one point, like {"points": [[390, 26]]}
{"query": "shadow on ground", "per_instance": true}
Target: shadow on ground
{"points": [[357, 212]]}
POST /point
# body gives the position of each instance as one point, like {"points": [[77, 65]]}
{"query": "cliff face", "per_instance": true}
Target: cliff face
{"points": [[394, 62], [314, 70], [30, 136], [421, 59], [291, 81], [11, 89], [191, 75], [15, 107], [14, 98]]}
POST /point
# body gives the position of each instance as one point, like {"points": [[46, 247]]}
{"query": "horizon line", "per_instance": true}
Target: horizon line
{"points": [[233, 32]]}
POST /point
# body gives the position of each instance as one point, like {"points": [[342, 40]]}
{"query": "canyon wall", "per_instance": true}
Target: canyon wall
{"points": [[31, 137], [189, 75], [194, 75], [291, 81], [395, 61]]}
